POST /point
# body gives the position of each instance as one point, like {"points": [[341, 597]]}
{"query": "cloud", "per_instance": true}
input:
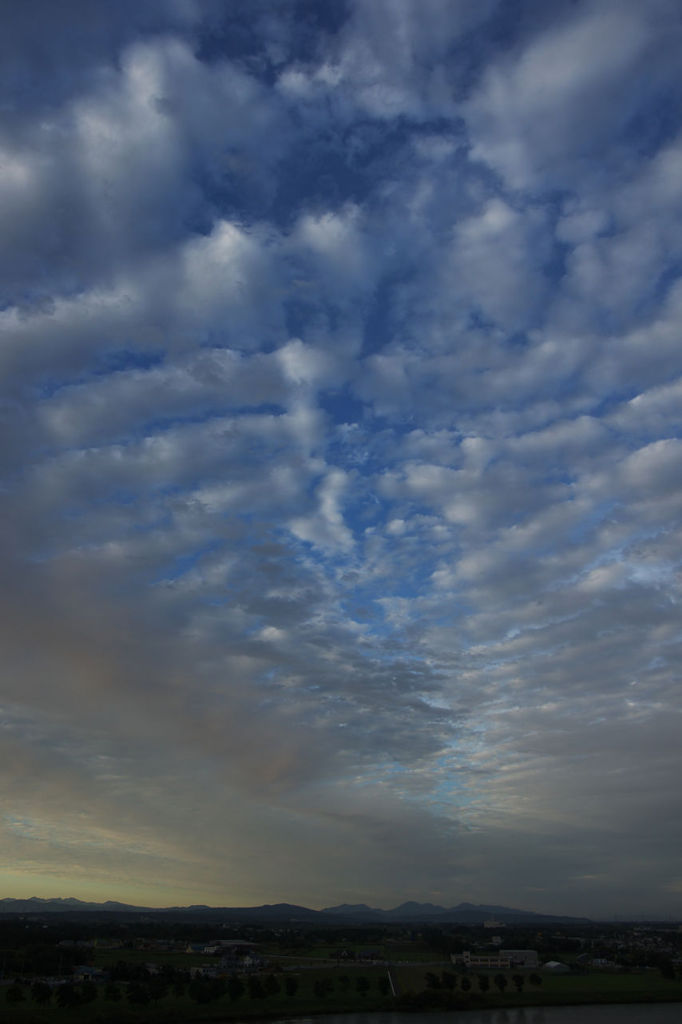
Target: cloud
{"points": [[47, 58], [340, 499], [527, 117], [390, 58], [495, 263]]}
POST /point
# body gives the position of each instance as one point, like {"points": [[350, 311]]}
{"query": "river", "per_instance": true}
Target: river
{"points": [[623, 1013]]}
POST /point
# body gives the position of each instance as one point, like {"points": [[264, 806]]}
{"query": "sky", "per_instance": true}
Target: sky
{"points": [[341, 471]]}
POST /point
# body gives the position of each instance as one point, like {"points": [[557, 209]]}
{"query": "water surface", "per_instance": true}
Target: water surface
{"points": [[622, 1013]]}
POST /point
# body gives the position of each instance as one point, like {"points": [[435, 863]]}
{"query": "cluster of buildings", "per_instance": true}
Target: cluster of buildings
{"points": [[506, 960], [502, 960]]}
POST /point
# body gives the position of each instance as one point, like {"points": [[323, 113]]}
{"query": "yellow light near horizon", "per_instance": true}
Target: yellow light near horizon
{"points": [[24, 885]]}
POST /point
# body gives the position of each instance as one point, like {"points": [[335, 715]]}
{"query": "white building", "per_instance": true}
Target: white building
{"points": [[556, 967], [485, 962], [501, 961], [521, 957]]}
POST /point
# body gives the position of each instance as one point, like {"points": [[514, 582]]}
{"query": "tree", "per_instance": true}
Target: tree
{"points": [[362, 985], [271, 985], [120, 971], [322, 987], [199, 990], [483, 983], [449, 980], [158, 987], [290, 985], [536, 980], [235, 987], [67, 996], [432, 980], [518, 981], [88, 991], [255, 988], [15, 994], [465, 984], [137, 993], [112, 992], [667, 969], [500, 982], [41, 992], [217, 987]]}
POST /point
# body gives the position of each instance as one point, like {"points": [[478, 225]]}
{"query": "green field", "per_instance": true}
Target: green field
{"points": [[559, 989], [106, 958], [604, 988], [183, 1008], [344, 996]]}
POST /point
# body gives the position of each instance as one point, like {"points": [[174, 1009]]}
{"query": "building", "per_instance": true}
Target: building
{"points": [[500, 961], [556, 967], [485, 962], [521, 957], [84, 972]]}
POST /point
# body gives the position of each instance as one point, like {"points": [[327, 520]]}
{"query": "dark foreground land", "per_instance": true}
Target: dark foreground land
{"points": [[68, 970]]}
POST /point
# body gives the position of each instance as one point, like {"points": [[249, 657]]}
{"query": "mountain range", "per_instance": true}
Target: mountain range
{"points": [[360, 913]]}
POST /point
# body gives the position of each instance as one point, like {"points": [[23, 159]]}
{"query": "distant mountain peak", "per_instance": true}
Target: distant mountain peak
{"points": [[351, 908], [464, 913], [412, 905]]}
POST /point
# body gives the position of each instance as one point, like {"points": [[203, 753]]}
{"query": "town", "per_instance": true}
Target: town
{"points": [[56, 968]]}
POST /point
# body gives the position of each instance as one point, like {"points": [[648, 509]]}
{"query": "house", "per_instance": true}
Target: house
{"points": [[83, 972]]}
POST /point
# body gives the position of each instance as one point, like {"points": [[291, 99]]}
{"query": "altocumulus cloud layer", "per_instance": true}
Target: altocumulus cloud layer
{"points": [[342, 382]]}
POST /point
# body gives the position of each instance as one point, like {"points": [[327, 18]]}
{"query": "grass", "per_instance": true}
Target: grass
{"points": [[560, 989], [106, 958], [555, 990], [606, 988], [173, 1008]]}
